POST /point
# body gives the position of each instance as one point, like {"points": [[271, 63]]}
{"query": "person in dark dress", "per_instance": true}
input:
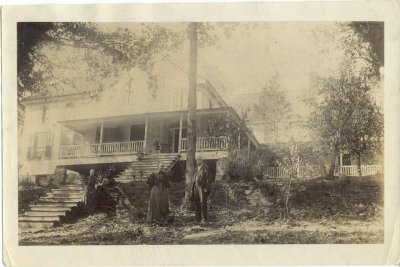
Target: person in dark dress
{"points": [[105, 202], [201, 190], [158, 209], [90, 192]]}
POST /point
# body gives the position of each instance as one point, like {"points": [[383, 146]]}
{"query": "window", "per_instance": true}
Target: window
{"points": [[44, 114], [40, 146], [71, 138], [69, 111]]}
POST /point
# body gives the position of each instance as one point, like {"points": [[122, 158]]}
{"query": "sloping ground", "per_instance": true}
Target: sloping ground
{"points": [[225, 227], [241, 213]]}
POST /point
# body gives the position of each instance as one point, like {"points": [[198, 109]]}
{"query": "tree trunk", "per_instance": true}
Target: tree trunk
{"points": [[333, 163], [191, 123], [359, 164]]}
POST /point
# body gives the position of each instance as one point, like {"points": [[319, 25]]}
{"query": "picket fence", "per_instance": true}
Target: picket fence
{"points": [[284, 172], [352, 170]]}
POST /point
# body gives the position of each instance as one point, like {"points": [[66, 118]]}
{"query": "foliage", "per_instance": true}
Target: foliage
{"points": [[226, 124], [343, 102], [104, 52], [365, 131], [273, 107], [157, 145], [239, 166], [28, 193]]}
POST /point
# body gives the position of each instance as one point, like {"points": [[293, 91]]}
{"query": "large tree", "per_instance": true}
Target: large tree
{"points": [[273, 107], [191, 120], [343, 99], [125, 48], [364, 132], [344, 113]]}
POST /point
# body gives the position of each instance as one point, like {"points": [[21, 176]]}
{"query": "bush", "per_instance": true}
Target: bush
{"points": [[239, 166], [28, 193]]}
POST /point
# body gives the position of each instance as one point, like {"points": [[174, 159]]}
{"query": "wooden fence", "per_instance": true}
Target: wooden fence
{"points": [[284, 172]]}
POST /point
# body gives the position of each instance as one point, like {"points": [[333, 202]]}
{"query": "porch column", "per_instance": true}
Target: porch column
{"points": [[180, 134], [145, 133], [340, 163], [101, 136], [57, 142]]}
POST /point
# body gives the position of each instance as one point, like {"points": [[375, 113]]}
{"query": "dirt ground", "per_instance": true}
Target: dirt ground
{"points": [[226, 226]]}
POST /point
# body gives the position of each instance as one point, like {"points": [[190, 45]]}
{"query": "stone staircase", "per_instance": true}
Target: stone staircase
{"points": [[137, 194], [141, 169], [61, 204], [134, 189]]}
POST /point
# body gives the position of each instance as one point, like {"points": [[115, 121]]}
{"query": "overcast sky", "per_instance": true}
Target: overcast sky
{"points": [[255, 52]]}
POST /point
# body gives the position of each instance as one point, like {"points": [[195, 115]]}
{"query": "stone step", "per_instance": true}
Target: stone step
{"points": [[50, 208], [26, 218], [59, 200], [54, 204], [33, 224], [151, 162], [62, 197], [63, 190], [72, 187], [160, 156], [44, 213], [66, 194]]}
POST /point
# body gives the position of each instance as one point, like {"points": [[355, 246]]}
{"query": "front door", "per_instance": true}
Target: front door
{"points": [[137, 132], [175, 146]]}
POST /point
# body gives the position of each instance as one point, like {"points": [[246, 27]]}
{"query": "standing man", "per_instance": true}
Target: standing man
{"points": [[201, 190]]}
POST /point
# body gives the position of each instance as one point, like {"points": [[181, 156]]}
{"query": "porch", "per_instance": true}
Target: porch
{"points": [[133, 134]]}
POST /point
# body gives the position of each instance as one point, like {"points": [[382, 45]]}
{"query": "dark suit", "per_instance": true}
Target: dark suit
{"points": [[200, 191]]}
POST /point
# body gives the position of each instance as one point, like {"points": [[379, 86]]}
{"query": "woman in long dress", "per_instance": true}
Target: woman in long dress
{"points": [[158, 203], [90, 193]]}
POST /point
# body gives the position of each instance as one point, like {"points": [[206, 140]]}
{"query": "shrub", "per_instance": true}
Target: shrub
{"points": [[30, 194], [239, 166]]}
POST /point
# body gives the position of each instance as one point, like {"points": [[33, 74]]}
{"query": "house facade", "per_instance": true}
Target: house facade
{"points": [[135, 115]]}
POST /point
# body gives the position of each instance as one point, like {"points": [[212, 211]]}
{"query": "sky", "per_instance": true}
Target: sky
{"points": [[246, 61]]}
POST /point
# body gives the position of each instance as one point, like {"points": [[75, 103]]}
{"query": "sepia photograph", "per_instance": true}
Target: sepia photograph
{"points": [[200, 133]]}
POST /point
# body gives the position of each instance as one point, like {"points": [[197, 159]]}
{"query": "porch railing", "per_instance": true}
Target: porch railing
{"points": [[94, 150], [207, 143]]}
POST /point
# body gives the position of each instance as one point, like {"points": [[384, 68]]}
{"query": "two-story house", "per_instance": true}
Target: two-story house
{"points": [[79, 130]]}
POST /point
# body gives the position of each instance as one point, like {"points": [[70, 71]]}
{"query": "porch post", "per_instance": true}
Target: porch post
{"points": [[57, 142], [145, 133], [180, 134], [101, 136], [340, 163]]}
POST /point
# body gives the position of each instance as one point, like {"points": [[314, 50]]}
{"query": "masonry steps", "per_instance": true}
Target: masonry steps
{"points": [[54, 208], [45, 213], [142, 169]]}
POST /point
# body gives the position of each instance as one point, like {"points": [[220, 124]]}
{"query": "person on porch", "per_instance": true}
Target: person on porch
{"points": [[201, 190], [158, 209], [90, 192]]}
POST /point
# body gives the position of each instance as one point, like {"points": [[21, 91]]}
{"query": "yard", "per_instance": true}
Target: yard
{"points": [[245, 215]]}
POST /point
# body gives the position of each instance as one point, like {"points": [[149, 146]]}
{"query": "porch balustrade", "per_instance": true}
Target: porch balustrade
{"points": [[123, 148], [94, 150], [207, 143]]}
